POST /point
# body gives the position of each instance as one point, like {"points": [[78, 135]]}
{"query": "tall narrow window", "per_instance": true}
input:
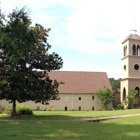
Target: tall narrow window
{"points": [[66, 108], [79, 108], [66, 98], [124, 94], [138, 92], [134, 50], [125, 50], [138, 50], [137, 89]]}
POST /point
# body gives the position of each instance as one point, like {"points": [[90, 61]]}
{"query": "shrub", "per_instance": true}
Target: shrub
{"points": [[22, 109], [1, 109], [8, 110], [119, 107]]}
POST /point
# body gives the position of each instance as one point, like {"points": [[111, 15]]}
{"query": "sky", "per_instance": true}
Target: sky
{"points": [[87, 34]]}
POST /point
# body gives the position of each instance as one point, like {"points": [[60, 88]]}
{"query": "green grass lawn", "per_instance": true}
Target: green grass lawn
{"points": [[36, 128], [59, 115]]}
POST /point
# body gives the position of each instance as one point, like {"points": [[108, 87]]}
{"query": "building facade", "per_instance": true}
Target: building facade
{"points": [[77, 92]]}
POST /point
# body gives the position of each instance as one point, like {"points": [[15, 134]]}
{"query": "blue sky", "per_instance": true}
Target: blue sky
{"points": [[86, 33]]}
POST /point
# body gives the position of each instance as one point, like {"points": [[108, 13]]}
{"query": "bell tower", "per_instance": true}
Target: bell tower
{"points": [[130, 78]]}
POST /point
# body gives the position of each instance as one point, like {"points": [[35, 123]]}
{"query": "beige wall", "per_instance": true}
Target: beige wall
{"points": [[69, 100], [129, 62], [132, 61], [125, 72], [73, 102]]}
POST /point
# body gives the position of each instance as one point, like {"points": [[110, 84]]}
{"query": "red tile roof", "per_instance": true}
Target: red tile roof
{"points": [[80, 82]]}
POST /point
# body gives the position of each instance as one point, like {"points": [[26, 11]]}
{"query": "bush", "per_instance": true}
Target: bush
{"points": [[8, 110], [22, 109], [1, 109], [119, 107]]}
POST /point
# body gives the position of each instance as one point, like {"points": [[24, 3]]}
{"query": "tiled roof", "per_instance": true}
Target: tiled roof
{"points": [[80, 82], [132, 36]]}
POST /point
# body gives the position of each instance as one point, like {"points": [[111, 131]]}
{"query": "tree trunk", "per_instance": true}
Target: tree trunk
{"points": [[14, 113]]}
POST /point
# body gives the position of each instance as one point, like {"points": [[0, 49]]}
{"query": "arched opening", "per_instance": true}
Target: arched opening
{"points": [[136, 103], [137, 89], [124, 94], [125, 50], [138, 50], [134, 50]]}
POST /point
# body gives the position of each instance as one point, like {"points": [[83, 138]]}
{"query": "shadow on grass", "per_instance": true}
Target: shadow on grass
{"points": [[117, 129], [40, 117]]}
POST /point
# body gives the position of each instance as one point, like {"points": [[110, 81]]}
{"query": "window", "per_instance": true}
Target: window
{"points": [[125, 50], [66, 98], [93, 97], [66, 108], [138, 92], [136, 66], [124, 93], [79, 98], [138, 50], [124, 67], [79, 108], [134, 50], [92, 107], [137, 89]]}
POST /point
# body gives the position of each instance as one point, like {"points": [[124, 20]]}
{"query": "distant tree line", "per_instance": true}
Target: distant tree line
{"points": [[115, 84]]}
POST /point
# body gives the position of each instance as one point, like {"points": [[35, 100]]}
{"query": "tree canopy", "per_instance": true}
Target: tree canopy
{"points": [[24, 50], [115, 83]]}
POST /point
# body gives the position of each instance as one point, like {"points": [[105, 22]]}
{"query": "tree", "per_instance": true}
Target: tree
{"points": [[106, 96], [132, 98], [24, 50], [115, 83]]}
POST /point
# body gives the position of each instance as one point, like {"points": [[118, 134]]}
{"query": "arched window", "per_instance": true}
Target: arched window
{"points": [[124, 94], [125, 50], [138, 50], [137, 88], [134, 50]]}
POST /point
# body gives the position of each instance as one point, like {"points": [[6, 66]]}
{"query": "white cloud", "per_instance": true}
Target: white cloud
{"points": [[89, 26], [93, 23]]}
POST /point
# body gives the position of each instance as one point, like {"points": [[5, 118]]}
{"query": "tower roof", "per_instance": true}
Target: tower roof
{"points": [[132, 36]]}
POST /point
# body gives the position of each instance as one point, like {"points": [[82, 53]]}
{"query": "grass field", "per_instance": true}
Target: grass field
{"points": [[59, 115], [36, 128]]}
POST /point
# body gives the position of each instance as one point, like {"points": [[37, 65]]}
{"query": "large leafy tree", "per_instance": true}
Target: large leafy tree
{"points": [[24, 50], [106, 96]]}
